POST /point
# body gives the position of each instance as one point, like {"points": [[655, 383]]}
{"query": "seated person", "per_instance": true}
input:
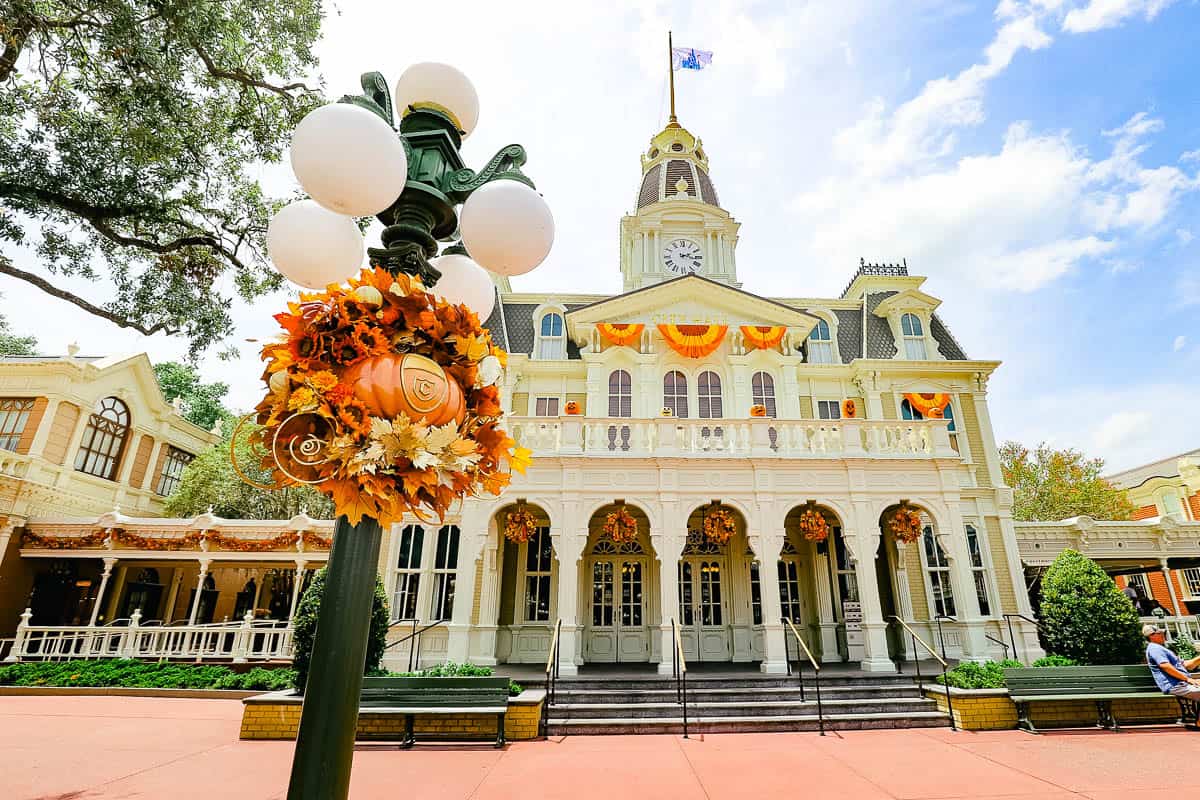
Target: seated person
{"points": [[1169, 671]]}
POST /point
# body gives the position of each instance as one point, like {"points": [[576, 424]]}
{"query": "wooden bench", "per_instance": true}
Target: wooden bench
{"points": [[441, 696], [1101, 685]]}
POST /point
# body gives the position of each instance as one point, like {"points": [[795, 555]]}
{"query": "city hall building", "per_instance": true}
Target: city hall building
{"points": [[803, 427]]}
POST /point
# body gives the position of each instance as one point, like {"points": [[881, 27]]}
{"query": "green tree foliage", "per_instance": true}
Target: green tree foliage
{"points": [[1053, 484], [201, 401], [12, 345], [127, 130], [304, 625], [1085, 616], [211, 482]]}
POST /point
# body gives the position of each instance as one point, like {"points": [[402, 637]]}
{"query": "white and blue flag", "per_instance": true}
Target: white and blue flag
{"points": [[690, 58]]}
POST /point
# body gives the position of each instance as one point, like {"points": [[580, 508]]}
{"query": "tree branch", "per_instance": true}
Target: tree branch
{"points": [[73, 204], [12, 47], [7, 268], [241, 76]]}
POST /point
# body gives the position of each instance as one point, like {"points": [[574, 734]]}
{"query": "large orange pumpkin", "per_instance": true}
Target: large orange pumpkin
{"points": [[409, 384]]}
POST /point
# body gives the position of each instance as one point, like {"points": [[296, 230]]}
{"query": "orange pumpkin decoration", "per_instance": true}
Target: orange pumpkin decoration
{"points": [[849, 409], [410, 384], [572, 408], [758, 410]]}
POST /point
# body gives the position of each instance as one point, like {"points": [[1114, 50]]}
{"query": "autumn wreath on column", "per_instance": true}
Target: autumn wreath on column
{"points": [[719, 525], [813, 524], [519, 524], [620, 526]]}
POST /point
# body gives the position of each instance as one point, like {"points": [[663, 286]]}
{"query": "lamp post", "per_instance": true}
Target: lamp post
{"points": [[412, 177]]}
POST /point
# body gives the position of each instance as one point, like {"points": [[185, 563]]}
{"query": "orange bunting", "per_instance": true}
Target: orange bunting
{"points": [[763, 337], [930, 406], [621, 334], [694, 341]]}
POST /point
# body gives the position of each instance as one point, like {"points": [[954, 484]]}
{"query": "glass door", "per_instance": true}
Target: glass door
{"points": [[618, 617], [702, 613]]}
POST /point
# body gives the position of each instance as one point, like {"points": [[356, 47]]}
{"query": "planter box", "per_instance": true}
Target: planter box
{"points": [[277, 716], [993, 710]]}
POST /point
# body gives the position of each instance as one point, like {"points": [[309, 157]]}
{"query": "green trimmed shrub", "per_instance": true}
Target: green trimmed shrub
{"points": [[452, 670], [304, 628], [1085, 617], [141, 674], [969, 675], [1055, 661]]}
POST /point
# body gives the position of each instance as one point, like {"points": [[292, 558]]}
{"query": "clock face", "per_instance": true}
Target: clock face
{"points": [[682, 256]]}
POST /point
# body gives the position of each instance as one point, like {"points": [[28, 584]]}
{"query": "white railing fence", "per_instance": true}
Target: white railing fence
{"points": [[239, 642], [1177, 626]]}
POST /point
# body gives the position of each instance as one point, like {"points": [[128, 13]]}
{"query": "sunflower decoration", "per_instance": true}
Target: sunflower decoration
{"points": [[620, 526], [905, 524], [719, 526], [385, 398], [519, 524], [814, 526]]}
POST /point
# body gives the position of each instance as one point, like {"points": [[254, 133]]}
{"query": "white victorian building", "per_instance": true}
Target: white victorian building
{"points": [[646, 400]]}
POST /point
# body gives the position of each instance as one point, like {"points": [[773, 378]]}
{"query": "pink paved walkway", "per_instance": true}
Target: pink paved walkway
{"points": [[81, 748]]}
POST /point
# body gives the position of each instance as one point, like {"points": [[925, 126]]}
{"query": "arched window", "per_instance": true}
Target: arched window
{"points": [[445, 566], [1171, 506], [552, 344], [914, 337], [675, 393], [620, 394], [708, 390], [979, 570], [820, 344], [104, 439], [762, 391]]}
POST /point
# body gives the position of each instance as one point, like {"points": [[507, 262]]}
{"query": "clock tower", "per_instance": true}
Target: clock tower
{"points": [[678, 228]]}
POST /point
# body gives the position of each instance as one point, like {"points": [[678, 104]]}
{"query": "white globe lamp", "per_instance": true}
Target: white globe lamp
{"points": [[440, 87], [507, 227], [312, 246], [349, 160], [464, 281]]}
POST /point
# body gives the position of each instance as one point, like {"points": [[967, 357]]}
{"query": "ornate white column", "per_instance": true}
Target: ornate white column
{"points": [[826, 616], [862, 546], [971, 625], [6, 531], [568, 554], [668, 546], [297, 587], [472, 533], [1162, 563], [104, 576], [484, 635], [110, 612], [204, 565], [775, 633]]}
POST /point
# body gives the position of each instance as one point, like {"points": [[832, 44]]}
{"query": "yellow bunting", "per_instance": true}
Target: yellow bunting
{"points": [[694, 341], [621, 334], [763, 337]]}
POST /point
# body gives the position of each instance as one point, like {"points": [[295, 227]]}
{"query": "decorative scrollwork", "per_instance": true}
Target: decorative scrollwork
{"points": [[300, 445], [375, 97], [505, 165]]}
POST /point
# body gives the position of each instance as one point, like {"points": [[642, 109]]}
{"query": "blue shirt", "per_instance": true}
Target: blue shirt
{"points": [[1157, 654]]}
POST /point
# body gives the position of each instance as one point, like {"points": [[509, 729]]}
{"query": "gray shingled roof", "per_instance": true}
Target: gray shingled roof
{"points": [[518, 321], [947, 344], [849, 333], [879, 340]]}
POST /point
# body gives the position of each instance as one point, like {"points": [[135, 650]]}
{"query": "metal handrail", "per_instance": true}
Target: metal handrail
{"points": [[800, 673], [679, 667], [415, 634], [1008, 618], [939, 659], [551, 677], [1000, 642]]}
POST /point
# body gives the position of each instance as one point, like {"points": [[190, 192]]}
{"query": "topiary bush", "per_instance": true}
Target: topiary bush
{"points": [[1055, 661], [142, 675], [304, 628], [1085, 617]]}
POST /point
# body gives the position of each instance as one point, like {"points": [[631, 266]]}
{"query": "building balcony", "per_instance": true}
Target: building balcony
{"points": [[668, 437]]}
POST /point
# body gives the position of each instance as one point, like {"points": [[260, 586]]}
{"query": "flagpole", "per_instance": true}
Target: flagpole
{"points": [[671, 73]]}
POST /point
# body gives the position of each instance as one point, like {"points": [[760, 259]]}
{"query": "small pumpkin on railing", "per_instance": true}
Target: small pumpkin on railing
{"points": [[666, 412], [572, 408], [758, 410], [849, 409]]}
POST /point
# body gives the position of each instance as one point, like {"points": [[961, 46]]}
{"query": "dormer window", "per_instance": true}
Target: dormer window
{"points": [[552, 343], [820, 344], [914, 337]]}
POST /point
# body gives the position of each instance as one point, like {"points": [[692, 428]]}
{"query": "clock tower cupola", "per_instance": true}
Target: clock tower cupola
{"points": [[679, 226]]}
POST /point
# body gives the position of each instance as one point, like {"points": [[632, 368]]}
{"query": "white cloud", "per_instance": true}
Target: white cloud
{"points": [[1121, 428], [1179, 344], [1100, 14], [1184, 235]]}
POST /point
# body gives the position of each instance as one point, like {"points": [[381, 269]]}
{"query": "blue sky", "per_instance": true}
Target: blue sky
{"points": [[1030, 157]]}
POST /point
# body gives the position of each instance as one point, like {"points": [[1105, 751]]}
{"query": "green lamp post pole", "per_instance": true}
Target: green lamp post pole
{"points": [[424, 214]]}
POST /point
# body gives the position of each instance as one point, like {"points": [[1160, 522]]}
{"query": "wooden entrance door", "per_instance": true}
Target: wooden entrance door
{"points": [[703, 608], [618, 630]]}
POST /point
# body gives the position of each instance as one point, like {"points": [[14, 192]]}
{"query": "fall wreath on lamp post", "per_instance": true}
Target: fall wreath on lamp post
{"points": [[905, 524], [620, 526], [719, 525], [383, 396]]}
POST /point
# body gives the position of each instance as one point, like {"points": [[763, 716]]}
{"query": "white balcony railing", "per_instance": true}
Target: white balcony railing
{"points": [[238, 642], [667, 436]]}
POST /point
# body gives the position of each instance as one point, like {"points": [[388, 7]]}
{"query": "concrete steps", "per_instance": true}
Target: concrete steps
{"points": [[716, 705]]}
